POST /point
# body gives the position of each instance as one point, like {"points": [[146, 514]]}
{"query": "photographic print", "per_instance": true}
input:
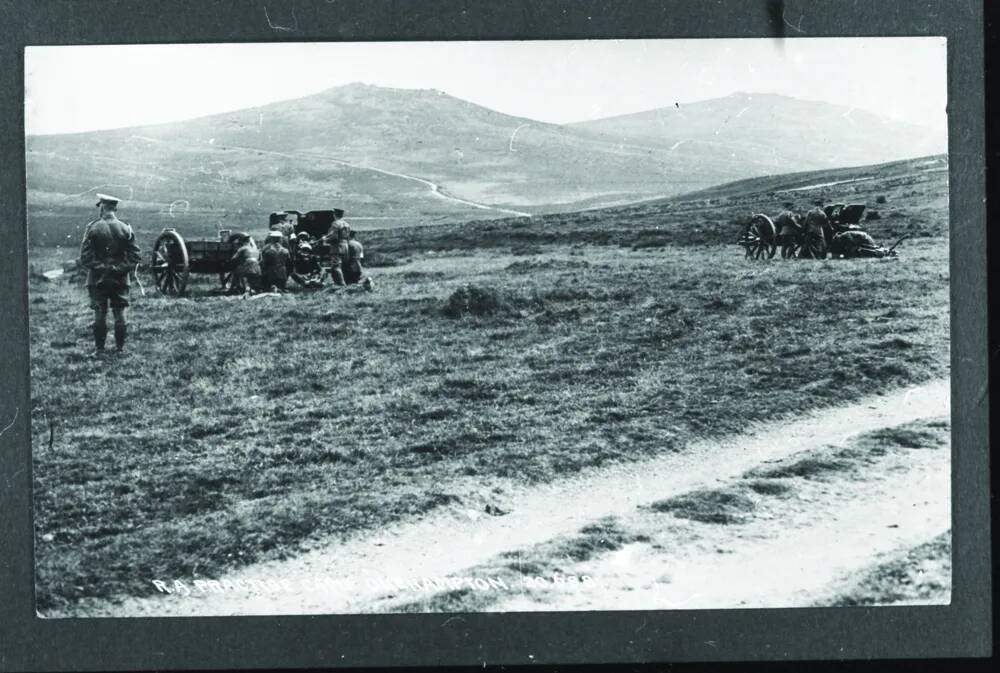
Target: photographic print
{"points": [[499, 326]]}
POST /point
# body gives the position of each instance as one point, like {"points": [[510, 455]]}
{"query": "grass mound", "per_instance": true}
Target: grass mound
{"points": [[482, 301], [806, 468], [597, 538], [922, 574], [920, 435], [769, 487], [723, 506]]}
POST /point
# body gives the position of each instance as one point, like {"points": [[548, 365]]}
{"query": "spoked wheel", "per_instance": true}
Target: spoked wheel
{"points": [[170, 263]]}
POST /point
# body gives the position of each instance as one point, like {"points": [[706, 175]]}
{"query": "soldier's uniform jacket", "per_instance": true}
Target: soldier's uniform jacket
{"points": [[816, 221], [816, 234], [109, 251], [247, 260], [786, 225], [274, 260]]}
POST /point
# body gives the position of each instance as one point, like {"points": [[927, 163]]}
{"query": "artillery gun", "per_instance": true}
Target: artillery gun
{"points": [[843, 216], [175, 258]]}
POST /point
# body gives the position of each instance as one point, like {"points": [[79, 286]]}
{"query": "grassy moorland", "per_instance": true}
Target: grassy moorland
{"points": [[903, 198], [236, 430]]}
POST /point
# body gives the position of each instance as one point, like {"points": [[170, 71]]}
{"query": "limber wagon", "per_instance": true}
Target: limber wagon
{"points": [[175, 258]]}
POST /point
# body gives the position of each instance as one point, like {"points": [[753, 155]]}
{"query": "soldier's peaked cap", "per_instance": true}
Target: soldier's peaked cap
{"points": [[105, 198], [338, 212]]}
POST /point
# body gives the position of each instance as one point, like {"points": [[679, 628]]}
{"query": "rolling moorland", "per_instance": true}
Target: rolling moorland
{"points": [[511, 350], [395, 157]]}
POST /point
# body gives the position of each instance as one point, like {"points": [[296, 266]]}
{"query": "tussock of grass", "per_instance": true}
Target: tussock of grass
{"points": [[721, 506], [921, 574], [483, 301], [806, 468], [597, 538], [895, 342], [769, 487]]}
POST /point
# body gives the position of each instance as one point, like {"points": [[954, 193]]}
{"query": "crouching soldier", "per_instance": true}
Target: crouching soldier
{"points": [[246, 266], [857, 243], [307, 271], [274, 259], [109, 253], [345, 264]]}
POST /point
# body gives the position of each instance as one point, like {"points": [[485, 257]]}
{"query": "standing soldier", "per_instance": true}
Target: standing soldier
{"points": [[336, 227], [814, 245], [109, 253], [789, 226], [340, 255], [274, 263]]}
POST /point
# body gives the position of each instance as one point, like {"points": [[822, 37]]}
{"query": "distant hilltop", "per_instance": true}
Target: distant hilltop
{"points": [[424, 156]]}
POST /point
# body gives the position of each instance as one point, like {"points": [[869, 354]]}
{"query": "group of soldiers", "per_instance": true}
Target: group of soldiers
{"points": [[286, 254], [110, 255], [832, 230]]}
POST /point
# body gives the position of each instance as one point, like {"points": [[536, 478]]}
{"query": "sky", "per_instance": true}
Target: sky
{"points": [[83, 88]]}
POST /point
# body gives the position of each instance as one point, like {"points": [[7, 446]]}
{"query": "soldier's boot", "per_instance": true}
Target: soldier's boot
{"points": [[100, 330], [120, 330]]}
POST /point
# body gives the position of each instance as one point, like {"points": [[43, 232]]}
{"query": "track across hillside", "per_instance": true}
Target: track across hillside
{"points": [[435, 189]]}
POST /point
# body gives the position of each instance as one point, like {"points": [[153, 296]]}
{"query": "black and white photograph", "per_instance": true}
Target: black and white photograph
{"points": [[341, 328]]}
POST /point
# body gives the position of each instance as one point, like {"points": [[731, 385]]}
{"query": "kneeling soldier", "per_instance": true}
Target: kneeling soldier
{"points": [[307, 272], [274, 263], [246, 267], [108, 252]]}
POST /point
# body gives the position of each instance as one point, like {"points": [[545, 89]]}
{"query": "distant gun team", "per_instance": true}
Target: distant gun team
{"points": [[316, 249], [832, 230]]}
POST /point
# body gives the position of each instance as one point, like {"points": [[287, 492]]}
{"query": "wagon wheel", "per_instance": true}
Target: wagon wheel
{"points": [[170, 264]]}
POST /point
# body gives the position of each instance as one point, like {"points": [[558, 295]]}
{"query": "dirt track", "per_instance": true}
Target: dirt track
{"points": [[908, 506]]}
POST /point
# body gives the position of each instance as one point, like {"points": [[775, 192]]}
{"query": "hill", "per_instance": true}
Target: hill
{"points": [[395, 157], [776, 131]]}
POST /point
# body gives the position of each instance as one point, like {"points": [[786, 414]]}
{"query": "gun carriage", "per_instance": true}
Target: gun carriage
{"points": [[175, 258]]}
